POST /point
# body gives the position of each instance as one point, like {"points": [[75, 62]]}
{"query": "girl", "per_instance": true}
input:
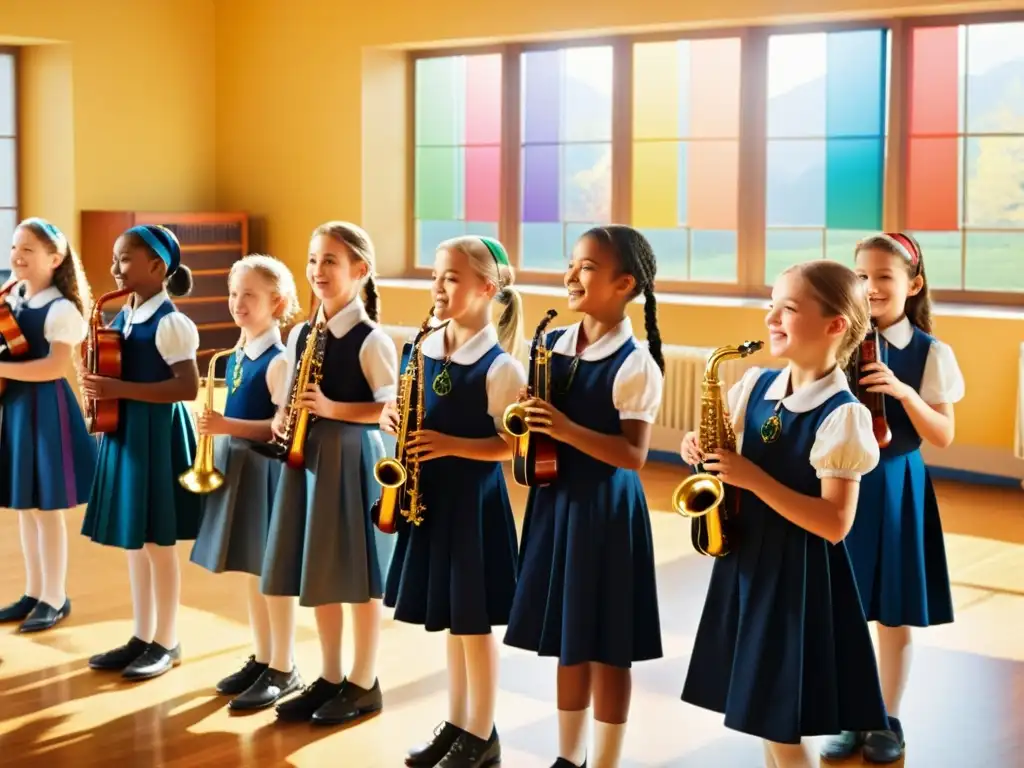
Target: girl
{"points": [[47, 458], [137, 502], [323, 548], [782, 649], [586, 590], [233, 534], [457, 570], [896, 545]]}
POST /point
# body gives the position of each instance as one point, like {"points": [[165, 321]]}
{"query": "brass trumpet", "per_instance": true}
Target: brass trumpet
{"points": [[203, 477]]}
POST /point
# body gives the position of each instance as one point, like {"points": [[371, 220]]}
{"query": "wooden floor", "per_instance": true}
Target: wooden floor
{"points": [[965, 706]]}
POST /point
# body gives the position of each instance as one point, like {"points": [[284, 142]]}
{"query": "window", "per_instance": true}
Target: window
{"points": [[686, 127], [8, 160], [964, 197], [566, 145], [826, 144], [458, 149]]}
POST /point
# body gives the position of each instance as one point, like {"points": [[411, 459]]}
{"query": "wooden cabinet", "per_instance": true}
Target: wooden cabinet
{"points": [[210, 244]]}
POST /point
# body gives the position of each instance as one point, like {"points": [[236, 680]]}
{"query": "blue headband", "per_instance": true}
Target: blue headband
{"points": [[46, 226], [497, 251], [162, 242]]}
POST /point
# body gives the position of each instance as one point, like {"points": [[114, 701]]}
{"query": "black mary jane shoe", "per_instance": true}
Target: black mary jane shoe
{"points": [[351, 703], [471, 751], [272, 686], [302, 707], [430, 754], [239, 682], [882, 747], [118, 659], [155, 661], [563, 763], [45, 616], [843, 746], [18, 610]]}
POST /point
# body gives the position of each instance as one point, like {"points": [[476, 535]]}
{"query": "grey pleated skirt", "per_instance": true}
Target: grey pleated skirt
{"points": [[323, 547], [236, 518]]}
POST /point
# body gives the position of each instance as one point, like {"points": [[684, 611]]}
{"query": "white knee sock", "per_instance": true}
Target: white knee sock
{"points": [[259, 621], [30, 552], [482, 674], [53, 551], [166, 593], [281, 611], [458, 683], [608, 738], [572, 735], [366, 619], [895, 654], [329, 627], [140, 576]]}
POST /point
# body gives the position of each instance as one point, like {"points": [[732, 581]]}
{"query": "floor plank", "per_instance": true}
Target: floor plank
{"points": [[963, 708]]}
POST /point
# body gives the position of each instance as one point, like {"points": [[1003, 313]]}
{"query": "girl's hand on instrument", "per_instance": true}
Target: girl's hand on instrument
{"points": [[389, 418], [734, 469], [316, 402], [690, 449], [101, 387], [880, 378], [211, 423], [278, 425], [543, 417], [426, 444]]}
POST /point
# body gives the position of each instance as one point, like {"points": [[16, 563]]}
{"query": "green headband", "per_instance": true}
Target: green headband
{"points": [[497, 251]]}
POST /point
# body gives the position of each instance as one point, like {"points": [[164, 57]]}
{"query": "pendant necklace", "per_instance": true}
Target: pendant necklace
{"points": [[442, 384], [236, 377], [771, 430]]}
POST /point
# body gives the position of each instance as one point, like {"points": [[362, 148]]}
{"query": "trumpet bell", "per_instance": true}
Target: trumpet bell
{"points": [[698, 495], [198, 481], [514, 420], [389, 473]]}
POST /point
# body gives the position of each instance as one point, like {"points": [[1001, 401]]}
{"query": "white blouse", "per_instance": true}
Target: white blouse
{"points": [[638, 385], [844, 445], [505, 376], [276, 375], [64, 324], [942, 380], [177, 337], [378, 358]]}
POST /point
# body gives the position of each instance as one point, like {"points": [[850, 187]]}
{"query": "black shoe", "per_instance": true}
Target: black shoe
{"points": [[351, 703], [845, 745], [45, 616], [309, 701], [19, 609], [471, 751], [885, 746], [563, 763], [242, 680], [268, 689], [430, 754], [153, 662], [119, 658]]}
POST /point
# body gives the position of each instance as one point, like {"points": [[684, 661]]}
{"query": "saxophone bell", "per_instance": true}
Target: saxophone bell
{"points": [[698, 495], [514, 420], [389, 473]]}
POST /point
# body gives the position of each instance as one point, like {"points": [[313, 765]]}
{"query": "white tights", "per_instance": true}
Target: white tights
{"points": [[44, 545]]}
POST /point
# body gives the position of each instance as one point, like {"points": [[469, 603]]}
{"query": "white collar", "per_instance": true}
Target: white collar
{"points": [[482, 341], [811, 396], [144, 311], [256, 347], [604, 347], [899, 333], [348, 318], [37, 300]]}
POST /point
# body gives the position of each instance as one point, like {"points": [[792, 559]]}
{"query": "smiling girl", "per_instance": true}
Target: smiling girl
{"points": [[323, 548], [457, 570], [137, 503], [47, 458]]}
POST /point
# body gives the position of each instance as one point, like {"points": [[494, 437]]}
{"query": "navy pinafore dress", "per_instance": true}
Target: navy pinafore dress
{"points": [[896, 543], [783, 649], [323, 547], [47, 457], [586, 590], [236, 517], [457, 569], [136, 498]]}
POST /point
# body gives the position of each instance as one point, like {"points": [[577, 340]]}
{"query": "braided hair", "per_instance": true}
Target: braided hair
{"points": [[637, 258]]}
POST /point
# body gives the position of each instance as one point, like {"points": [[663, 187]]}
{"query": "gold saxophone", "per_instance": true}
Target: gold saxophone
{"points": [[399, 477], [291, 447], [204, 477], [702, 496]]}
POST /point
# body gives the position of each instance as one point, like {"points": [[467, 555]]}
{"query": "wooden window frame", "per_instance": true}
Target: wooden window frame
{"points": [[15, 53], [753, 142]]}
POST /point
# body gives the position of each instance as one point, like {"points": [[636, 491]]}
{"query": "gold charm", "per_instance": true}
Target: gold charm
{"points": [[771, 430], [442, 382]]}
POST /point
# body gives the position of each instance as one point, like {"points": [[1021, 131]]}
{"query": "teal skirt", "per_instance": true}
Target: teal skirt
{"points": [[136, 498]]}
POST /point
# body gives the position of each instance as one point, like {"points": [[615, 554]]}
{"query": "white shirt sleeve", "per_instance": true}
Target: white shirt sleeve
{"points": [[942, 380], [64, 324], [277, 380], [505, 378], [638, 387], [177, 338], [379, 361], [844, 445], [290, 356], [737, 399]]}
